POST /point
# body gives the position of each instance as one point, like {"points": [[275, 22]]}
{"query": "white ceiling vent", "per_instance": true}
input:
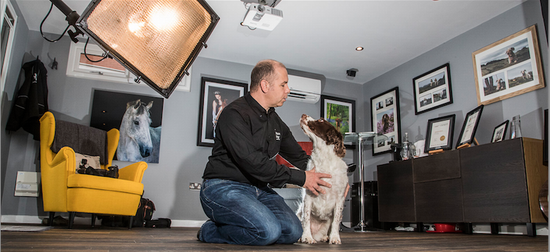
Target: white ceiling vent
{"points": [[304, 89]]}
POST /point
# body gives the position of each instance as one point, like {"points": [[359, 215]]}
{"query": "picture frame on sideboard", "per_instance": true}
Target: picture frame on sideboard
{"points": [[499, 133], [469, 127], [439, 134]]}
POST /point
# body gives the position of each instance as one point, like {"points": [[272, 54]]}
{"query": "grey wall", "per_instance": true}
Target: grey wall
{"points": [[181, 160], [458, 53]]}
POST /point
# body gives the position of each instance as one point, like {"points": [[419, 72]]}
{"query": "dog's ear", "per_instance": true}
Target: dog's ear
{"points": [[335, 137], [339, 149]]}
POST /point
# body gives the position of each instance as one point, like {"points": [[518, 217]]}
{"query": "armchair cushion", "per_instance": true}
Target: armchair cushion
{"points": [[82, 139], [104, 183], [92, 161]]}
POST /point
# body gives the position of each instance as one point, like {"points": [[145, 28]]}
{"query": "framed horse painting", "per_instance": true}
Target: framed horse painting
{"points": [[215, 95], [137, 117]]}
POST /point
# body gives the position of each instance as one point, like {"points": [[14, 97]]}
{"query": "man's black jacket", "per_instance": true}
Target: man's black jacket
{"points": [[246, 143]]}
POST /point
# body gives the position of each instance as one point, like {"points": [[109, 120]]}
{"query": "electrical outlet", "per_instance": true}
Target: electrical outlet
{"points": [[194, 186], [27, 184]]}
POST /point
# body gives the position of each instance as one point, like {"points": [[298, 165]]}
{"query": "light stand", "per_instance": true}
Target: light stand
{"points": [[71, 17]]}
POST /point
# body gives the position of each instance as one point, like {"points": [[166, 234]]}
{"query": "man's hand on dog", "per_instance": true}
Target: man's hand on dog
{"points": [[314, 182]]}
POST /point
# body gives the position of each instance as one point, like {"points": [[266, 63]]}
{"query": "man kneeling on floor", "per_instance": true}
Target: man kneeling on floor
{"points": [[236, 192]]}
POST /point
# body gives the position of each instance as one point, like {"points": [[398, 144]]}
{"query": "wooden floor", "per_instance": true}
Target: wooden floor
{"points": [[82, 238]]}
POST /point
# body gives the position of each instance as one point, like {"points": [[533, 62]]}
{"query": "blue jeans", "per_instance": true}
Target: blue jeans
{"points": [[244, 214]]}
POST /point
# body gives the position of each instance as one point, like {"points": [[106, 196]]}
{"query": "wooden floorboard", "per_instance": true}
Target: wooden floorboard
{"points": [[82, 238]]}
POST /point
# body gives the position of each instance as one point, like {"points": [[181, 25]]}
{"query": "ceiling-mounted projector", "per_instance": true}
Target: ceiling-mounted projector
{"points": [[262, 17]]}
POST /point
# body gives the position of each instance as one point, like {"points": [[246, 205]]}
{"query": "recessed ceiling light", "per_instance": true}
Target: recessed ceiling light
{"points": [[359, 48]]}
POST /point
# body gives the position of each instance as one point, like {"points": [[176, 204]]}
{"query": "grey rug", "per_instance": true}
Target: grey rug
{"points": [[24, 228]]}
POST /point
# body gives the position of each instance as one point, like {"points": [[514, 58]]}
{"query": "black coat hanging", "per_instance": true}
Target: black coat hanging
{"points": [[31, 101]]}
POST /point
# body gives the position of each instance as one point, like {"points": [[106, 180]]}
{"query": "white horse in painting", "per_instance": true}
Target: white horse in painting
{"points": [[138, 141]]}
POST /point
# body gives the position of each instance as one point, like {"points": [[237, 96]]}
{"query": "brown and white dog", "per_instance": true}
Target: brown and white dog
{"points": [[321, 215]]}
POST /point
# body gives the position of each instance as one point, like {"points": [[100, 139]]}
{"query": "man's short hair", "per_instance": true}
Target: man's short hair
{"points": [[264, 70]]}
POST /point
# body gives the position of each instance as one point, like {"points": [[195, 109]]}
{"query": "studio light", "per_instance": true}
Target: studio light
{"points": [[156, 40]]}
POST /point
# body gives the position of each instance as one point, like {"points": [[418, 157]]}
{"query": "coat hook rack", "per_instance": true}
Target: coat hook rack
{"points": [[53, 64]]}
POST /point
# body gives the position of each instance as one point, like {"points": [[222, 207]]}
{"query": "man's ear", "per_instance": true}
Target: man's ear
{"points": [[264, 85]]}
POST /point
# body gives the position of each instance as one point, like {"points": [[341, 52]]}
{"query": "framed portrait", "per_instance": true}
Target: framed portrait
{"points": [[439, 135], [215, 95], [138, 141], [385, 120], [499, 133], [340, 113], [508, 67], [469, 127], [432, 89]]}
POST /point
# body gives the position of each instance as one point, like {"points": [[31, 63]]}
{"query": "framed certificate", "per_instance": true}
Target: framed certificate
{"points": [[469, 127], [439, 135]]}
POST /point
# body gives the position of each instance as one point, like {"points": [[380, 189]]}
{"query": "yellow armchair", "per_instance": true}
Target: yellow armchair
{"points": [[65, 190]]}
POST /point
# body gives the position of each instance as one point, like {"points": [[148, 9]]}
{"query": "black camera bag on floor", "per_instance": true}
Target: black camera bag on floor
{"points": [[158, 223], [144, 213]]}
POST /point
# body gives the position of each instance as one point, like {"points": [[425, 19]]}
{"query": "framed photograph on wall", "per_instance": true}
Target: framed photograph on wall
{"points": [[469, 127], [439, 135], [385, 120], [138, 141], [340, 113], [215, 95], [432, 89], [508, 67], [499, 133]]}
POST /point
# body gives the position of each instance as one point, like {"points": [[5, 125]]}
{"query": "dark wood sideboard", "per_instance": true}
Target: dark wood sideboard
{"points": [[490, 183]]}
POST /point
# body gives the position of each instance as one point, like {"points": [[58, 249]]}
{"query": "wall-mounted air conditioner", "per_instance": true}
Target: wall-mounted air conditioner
{"points": [[304, 89]]}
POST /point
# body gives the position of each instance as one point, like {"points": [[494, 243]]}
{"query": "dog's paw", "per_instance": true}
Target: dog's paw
{"points": [[324, 239], [335, 240], [307, 239]]}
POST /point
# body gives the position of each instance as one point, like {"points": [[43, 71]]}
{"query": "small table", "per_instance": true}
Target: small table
{"points": [[359, 139]]}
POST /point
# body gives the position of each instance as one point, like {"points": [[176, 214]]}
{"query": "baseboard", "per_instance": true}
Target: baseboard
{"points": [[510, 229], [478, 229], [27, 219], [187, 223], [21, 219]]}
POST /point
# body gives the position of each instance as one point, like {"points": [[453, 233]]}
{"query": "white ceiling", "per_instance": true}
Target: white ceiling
{"points": [[321, 36]]}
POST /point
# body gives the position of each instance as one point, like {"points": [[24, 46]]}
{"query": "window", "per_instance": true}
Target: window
{"points": [[7, 31], [108, 69]]}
